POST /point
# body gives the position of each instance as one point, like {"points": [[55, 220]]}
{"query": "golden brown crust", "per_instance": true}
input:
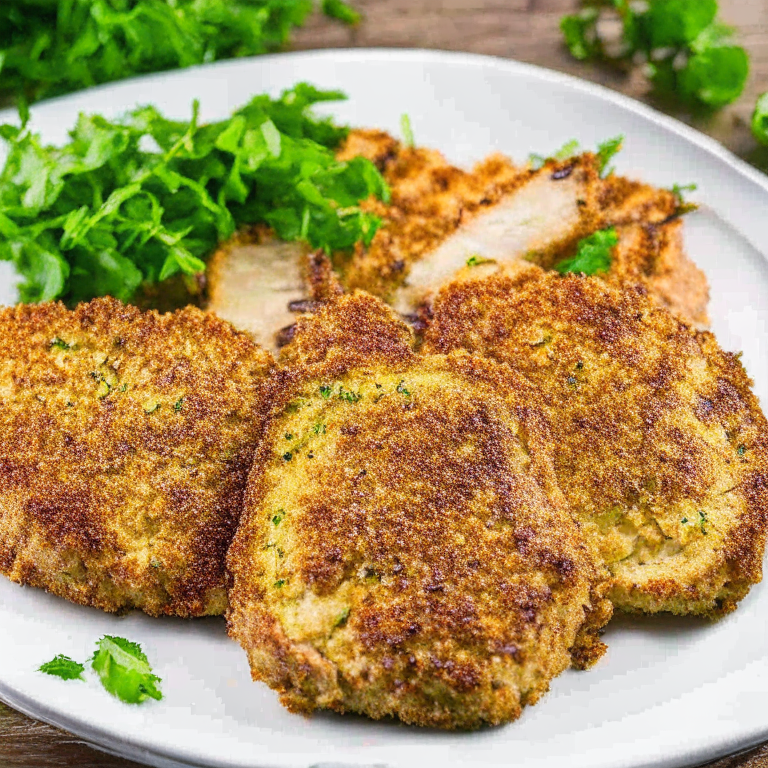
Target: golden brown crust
{"points": [[404, 549], [127, 439], [660, 443]]}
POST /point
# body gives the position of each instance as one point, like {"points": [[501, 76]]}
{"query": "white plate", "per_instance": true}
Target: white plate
{"points": [[670, 692]]}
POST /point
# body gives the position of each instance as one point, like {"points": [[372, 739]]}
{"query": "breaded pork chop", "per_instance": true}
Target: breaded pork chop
{"points": [[127, 438], [404, 550], [660, 445]]}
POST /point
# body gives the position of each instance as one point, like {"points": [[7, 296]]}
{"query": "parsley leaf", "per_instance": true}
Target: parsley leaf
{"points": [[57, 46], [760, 120], [407, 131], [687, 52], [593, 254], [605, 153], [63, 667], [104, 214], [337, 9], [125, 671]]}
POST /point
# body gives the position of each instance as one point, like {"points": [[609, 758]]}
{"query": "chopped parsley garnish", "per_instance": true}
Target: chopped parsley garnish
{"points": [[684, 520], [341, 619], [125, 671], [63, 667], [143, 198], [402, 390], [59, 46], [319, 429], [279, 583], [679, 192], [349, 397], [741, 450], [288, 436], [593, 254], [407, 131], [703, 522], [475, 260], [325, 392], [58, 343], [287, 456], [605, 153], [178, 405], [689, 55], [278, 518]]}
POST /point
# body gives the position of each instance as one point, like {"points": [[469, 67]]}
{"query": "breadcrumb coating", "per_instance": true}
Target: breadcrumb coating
{"points": [[127, 441]]}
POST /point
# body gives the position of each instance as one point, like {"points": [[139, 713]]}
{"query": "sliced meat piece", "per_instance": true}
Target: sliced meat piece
{"points": [[252, 281]]}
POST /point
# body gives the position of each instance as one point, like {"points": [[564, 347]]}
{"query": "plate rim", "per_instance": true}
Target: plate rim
{"points": [[105, 740]]}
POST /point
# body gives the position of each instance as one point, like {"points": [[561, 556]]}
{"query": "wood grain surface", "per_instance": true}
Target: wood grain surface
{"points": [[526, 30]]}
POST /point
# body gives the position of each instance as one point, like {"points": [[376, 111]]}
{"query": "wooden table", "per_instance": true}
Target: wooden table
{"points": [[526, 30]]}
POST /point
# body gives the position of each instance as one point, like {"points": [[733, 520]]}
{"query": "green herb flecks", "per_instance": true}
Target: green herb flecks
{"points": [[325, 392], [476, 260], [124, 670], [593, 254], [58, 46], [689, 55], [143, 198], [741, 450], [278, 517], [683, 206], [342, 618], [319, 429], [178, 405], [401, 388], [280, 583], [349, 396], [63, 667], [703, 522], [58, 343]]}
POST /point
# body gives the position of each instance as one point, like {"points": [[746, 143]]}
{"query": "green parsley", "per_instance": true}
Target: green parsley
{"points": [[58, 46], [125, 671], [593, 254], [279, 583], [342, 618], [337, 9], [407, 131], [144, 198], [475, 260], [287, 456], [58, 343], [319, 429], [278, 518], [402, 390], [690, 56], [684, 520], [63, 667], [288, 436], [325, 391], [741, 450], [702, 522], [760, 120], [349, 397], [606, 152], [178, 405], [683, 206]]}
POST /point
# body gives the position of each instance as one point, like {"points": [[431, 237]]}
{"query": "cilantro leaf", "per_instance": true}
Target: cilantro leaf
{"points": [[760, 120], [593, 254], [125, 671], [104, 214], [63, 667], [52, 47], [337, 9]]}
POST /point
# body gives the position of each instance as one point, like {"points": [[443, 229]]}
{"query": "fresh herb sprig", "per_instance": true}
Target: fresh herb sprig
{"points": [[689, 54], [594, 254], [106, 213], [52, 47], [122, 667]]}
